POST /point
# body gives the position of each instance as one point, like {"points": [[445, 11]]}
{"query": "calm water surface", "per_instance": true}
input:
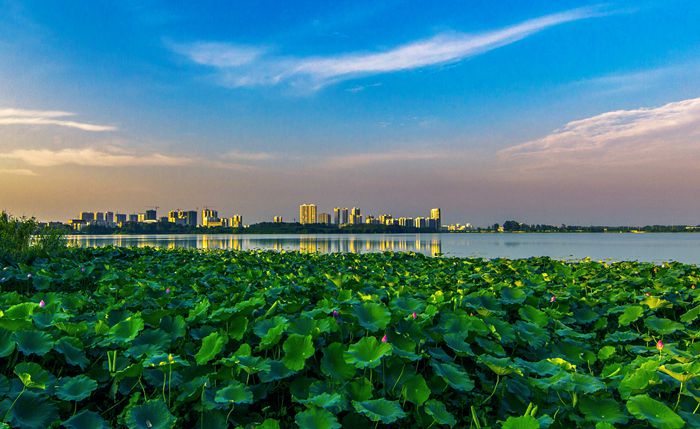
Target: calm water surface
{"points": [[643, 247]]}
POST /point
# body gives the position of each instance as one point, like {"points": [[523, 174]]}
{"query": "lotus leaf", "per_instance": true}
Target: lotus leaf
{"points": [[372, 316], [75, 388], [367, 353], [656, 413], [380, 410], [439, 413], [151, 415], [316, 418]]}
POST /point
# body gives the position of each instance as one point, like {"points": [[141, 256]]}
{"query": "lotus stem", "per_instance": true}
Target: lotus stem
{"points": [[13, 403]]}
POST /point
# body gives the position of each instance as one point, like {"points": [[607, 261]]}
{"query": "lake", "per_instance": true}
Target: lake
{"points": [[657, 247]]}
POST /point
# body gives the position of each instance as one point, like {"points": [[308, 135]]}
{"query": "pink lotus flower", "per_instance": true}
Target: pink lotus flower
{"points": [[42, 304], [336, 313], [384, 339], [659, 345], [82, 269], [167, 290], [414, 315], [553, 298]]}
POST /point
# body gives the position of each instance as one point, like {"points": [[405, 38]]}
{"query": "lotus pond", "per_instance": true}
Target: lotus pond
{"points": [[154, 339]]}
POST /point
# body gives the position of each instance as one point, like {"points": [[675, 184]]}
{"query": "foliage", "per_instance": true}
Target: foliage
{"points": [[142, 338], [21, 239]]}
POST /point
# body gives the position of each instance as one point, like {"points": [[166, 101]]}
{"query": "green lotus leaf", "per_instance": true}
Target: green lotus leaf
{"points": [[415, 390], [631, 313], [407, 305], [149, 342], [360, 389], [237, 327], [457, 343], [297, 348], [367, 353], [86, 420], [151, 415], [32, 375], [663, 326], [199, 311], [531, 334], [126, 330], [252, 364], [323, 400], [33, 411], [606, 352], [454, 375], [372, 316], [439, 413], [601, 410], [174, 326], [333, 363], [277, 371], [522, 422], [268, 424], [75, 388], [510, 295], [7, 344], [500, 366], [270, 331], [637, 380], [654, 303], [691, 315], [212, 345], [380, 410], [316, 418], [23, 311], [33, 342], [234, 393], [72, 350], [656, 413], [533, 315]]}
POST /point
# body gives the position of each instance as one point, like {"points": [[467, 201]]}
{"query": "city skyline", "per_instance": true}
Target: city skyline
{"points": [[577, 112]]}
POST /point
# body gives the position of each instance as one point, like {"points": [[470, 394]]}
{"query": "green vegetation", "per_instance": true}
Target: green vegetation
{"points": [[142, 338], [22, 240]]}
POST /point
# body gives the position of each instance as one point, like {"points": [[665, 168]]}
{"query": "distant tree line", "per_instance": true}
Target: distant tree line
{"points": [[514, 226]]}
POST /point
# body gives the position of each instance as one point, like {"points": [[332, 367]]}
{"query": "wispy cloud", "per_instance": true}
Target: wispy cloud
{"points": [[17, 171], [47, 117], [622, 137], [242, 156], [92, 157], [240, 66]]}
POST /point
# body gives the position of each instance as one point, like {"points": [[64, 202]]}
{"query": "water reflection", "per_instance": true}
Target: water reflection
{"points": [[429, 244]]}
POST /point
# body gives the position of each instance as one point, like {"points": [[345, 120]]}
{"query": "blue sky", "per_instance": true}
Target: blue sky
{"points": [[573, 112]]}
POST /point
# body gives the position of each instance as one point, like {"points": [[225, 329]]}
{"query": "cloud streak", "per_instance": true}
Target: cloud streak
{"points": [[17, 171], [91, 158], [621, 137], [244, 66], [47, 117]]}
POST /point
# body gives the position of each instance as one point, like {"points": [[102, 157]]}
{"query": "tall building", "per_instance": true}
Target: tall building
{"points": [[436, 218], [419, 222], [191, 216], [210, 217], [324, 218], [355, 216], [406, 222], [109, 217], [385, 219], [120, 218], [236, 221], [307, 214], [87, 216], [99, 217], [151, 215], [277, 219], [183, 217], [340, 216], [133, 218]]}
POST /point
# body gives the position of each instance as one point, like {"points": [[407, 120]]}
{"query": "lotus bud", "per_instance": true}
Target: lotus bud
{"points": [[659, 345], [167, 290], [414, 315], [82, 269], [384, 339], [42, 304], [553, 298]]}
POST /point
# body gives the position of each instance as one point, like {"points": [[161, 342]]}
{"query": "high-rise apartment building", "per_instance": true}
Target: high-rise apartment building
{"points": [[277, 219], [87, 216], [419, 222], [210, 217], [99, 217], [133, 217], [324, 218], [109, 217], [307, 214], [236, 221], [384, 219], [436, 218], [355, 216], [151, 216]]}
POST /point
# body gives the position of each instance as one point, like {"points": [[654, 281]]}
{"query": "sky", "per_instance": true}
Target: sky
{"points": [[544, 112]]}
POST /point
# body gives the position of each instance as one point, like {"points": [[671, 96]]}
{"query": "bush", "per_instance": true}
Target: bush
{"points": [[21, 239]]}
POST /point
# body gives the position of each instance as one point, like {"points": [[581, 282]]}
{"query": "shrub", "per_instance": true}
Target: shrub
{"points": [[21, 239]]}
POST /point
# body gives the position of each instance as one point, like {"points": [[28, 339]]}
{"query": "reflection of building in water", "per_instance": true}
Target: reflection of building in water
{"points": [[324, 245], [435, 246], [308, 245]]}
